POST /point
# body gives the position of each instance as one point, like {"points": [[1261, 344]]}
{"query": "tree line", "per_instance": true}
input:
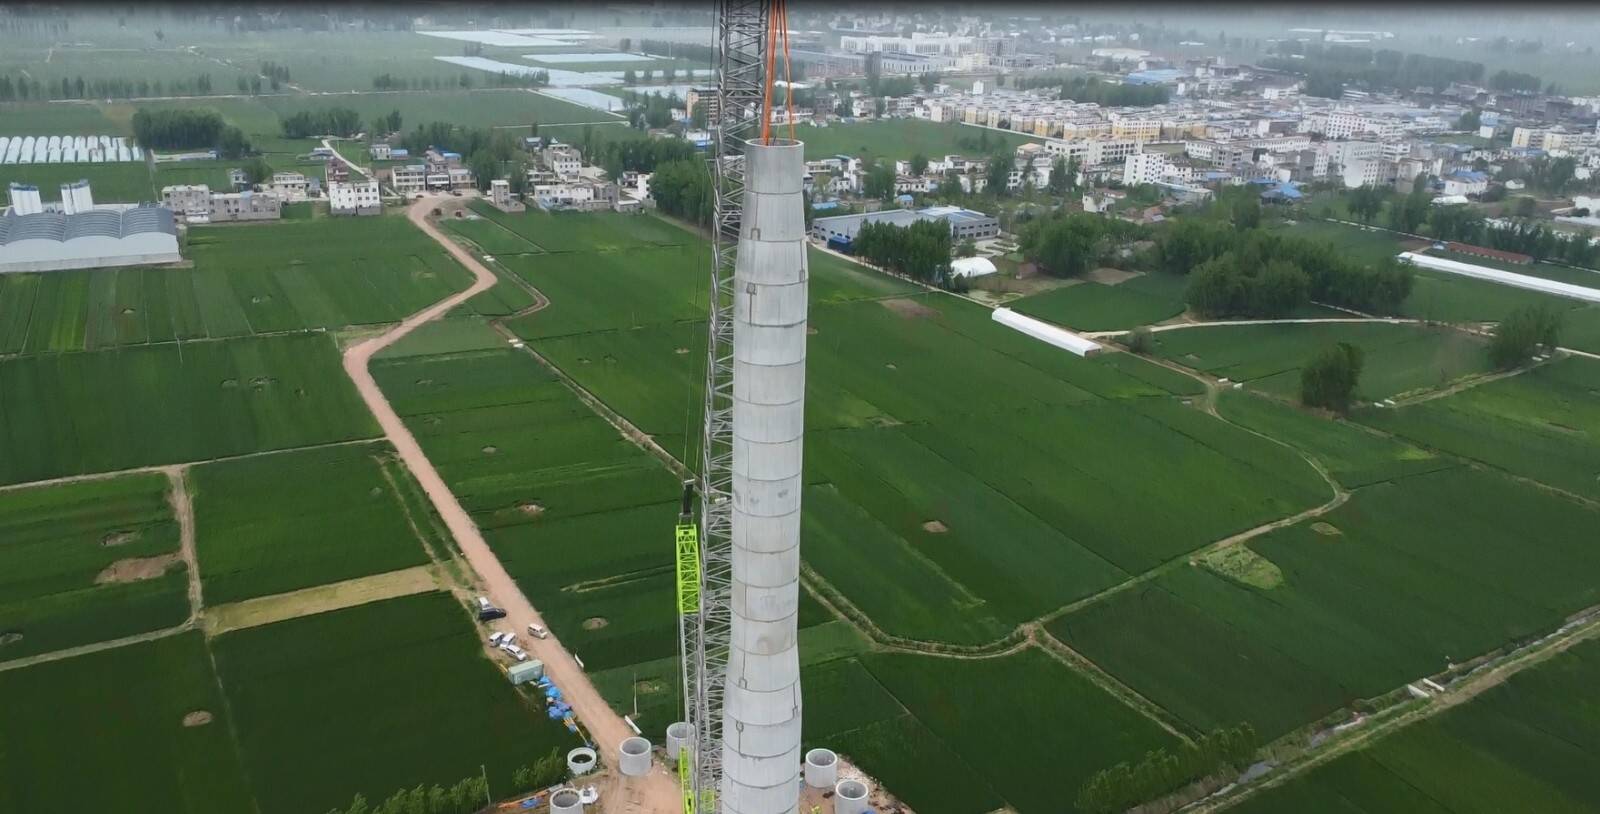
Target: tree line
{"points": [[188, 130], [1236, 268], [1329, 68], [1159, 772], [639, 154], [683, 189], [23, 89], [920, 250], [1094, 89], [468, 796], [501, 79], [1069, 244], [1414, 213], [694, 52], [331, 121]]}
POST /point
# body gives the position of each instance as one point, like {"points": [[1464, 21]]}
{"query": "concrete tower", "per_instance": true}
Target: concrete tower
{"points": [[761, 712]]}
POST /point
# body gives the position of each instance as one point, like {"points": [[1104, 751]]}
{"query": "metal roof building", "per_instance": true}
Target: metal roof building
{"points": [[53, 241]]}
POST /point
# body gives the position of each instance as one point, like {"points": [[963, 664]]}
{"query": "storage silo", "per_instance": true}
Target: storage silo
{"points": [[25, 199], [76, 197]]}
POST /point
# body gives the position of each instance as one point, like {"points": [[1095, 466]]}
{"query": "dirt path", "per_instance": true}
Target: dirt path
{"points": [[86, 649], [367, 171], [183, 509], [265, 610], [657, 792]]}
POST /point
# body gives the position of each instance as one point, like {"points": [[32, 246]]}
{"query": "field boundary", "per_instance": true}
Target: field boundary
{"points": [[163, 468], [265, 610]]}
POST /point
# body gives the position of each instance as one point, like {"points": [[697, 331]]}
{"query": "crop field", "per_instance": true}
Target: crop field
{"points": [[1399, 358], [1542, 424], [290, 276], [588, 232], [478, 108], [277, 523], [56, 546], [47, 119], [1090, 306], [1393, 586], [1525, 745], [71, 413], [105, 732], [490, 236], [903, 138], [1353, 456], [349, 683], [125, 182]]}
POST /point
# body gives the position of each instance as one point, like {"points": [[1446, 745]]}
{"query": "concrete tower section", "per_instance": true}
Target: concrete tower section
{"points": [[761, 711]]}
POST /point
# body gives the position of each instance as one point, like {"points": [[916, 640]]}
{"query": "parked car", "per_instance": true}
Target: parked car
{"points": [[491, 614], [497, 639], [538, 632], [483, 603], [517, 653]]}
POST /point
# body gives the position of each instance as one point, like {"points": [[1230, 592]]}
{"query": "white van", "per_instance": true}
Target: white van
{"points": [[483, 603], [497, 638], [538, 632]]}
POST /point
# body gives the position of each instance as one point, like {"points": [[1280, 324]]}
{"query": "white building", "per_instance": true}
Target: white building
{"points": [[290, 186], [381, 151], [409, 179], [354, 198], [1144, 168]]}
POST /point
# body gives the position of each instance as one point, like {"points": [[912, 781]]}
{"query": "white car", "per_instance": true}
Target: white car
{"points": [[483, 603], [538, 632], [516, 652], [494, 638]]}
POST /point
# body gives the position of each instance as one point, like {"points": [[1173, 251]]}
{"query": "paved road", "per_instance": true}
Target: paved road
{"points": [[658, 792]]}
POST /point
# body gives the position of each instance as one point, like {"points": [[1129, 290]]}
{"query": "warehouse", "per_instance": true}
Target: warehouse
{"points": [[54, 241], [839, 230]]}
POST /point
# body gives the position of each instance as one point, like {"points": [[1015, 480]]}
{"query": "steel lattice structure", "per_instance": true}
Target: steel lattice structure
{"points": [[741, 51]]}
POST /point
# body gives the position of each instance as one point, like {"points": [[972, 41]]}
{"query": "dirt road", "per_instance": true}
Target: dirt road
{"points": [[654, 794]]}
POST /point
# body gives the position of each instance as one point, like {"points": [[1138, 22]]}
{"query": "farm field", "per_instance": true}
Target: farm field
{"points": [[1091, 306], [117, 717], [122, 182], [58, 545], [173, 403], [1399, 358], [1526, 745], [477, 108], [1308, 612], [46, 119], [289, 276], [278, 523], [1353, 456], [1542, 424], [348, 683], [903, 138]]}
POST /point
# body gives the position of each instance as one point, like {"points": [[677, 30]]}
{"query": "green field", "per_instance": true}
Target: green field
{"points": [[47, 119], [1404, 579], [289, 276], [350, 685], [897, 139], [1526, 745], [478, 108], [116, 717], [277, 523], [1090, 306], [71, 413], [1353, 456], [1542, 424], [1399, 358], [55, 541], [126, 182]]}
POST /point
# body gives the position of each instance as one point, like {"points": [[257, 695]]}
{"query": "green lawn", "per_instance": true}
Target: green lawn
{"points": [[1353, 456], [125, 182], [54, 543], [895, 139], [278, 523]]}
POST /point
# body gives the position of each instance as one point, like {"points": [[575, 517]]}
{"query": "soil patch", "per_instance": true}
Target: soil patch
{"points": [[681, 351], [1111, 276], [197, 718], [490, 450], [935, 527], [10, 637], [811, 330], [595, 623], [1326, 529], [649, 686], [531, 509], [117, 538], [136, 569], [910, 309], [1240, 564]]}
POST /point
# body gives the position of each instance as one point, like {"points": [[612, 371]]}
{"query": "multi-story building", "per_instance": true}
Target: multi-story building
{"points": [[187, 199], [1144, 168], [381, 151], [563, 160], [409, 179], [354, 198], [919, 43], [290, 186], [245, 206]]}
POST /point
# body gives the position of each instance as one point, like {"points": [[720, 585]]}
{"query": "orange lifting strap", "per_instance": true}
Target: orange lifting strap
{"points": [[777, 28]]}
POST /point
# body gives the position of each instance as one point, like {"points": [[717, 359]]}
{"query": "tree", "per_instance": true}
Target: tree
{"points": [[629, 77], [879, 182], [1364, 202], [1057, 185], [1408, 214], [1329, 379], [929, 79], [1523, 333], [484, 168], [919, 164], [999, 174], [968, 248]]}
